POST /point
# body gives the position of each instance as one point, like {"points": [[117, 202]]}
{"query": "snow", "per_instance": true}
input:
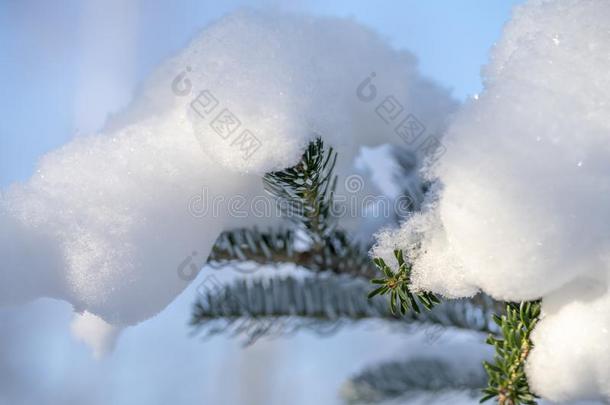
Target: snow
{"points": [[573, 343], [522, 209], [100, 336], [105, 223]]}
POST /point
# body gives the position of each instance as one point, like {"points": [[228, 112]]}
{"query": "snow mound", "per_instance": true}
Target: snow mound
{"points": [[570, 359], [290, 77], [521, 211], [107, 222], [100, 336]]}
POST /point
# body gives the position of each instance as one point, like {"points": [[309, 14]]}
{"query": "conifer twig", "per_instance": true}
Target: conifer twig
{"points": [[507, 379]]}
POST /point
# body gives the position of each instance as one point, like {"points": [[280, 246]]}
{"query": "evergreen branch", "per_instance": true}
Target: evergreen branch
{"points": [[241, 245], [305, 192], [397, 285], [276, 247], [323, 304], [507, 379], [396, 379]]}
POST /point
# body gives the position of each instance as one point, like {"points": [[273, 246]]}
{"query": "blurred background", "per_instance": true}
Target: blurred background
{"points": [[65, 66]]}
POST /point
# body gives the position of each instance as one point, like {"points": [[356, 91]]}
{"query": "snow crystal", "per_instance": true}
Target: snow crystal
{"points": [[522, 212], [106, 224]]}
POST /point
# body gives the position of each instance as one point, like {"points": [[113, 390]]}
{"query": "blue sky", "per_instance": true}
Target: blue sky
{"points": [[66, 65]]}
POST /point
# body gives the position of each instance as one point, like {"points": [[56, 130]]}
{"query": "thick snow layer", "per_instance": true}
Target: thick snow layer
{"points": [[570, 359], [522, 208], [284, 78], [106, 223]]}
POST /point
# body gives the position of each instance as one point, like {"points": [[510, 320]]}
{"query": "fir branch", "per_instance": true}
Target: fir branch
{"points": [[396, 284], [304, 192], [266, 248], [397, 379], [320, 303], [276, 247], [507, 379]]}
